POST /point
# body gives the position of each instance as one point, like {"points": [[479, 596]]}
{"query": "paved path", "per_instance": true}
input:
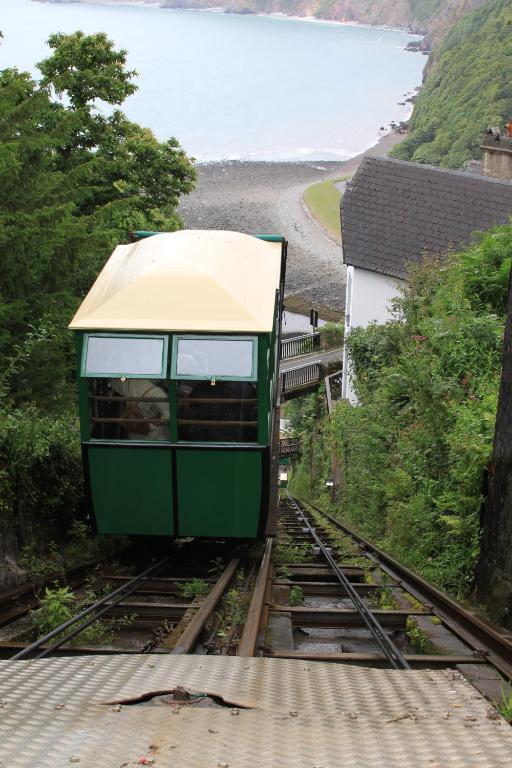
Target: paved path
{"points": [[325, 357]]}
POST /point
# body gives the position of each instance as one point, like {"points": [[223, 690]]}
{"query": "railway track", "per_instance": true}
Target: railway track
{"points": [[318, 593], [343, 600], [189, 600]]}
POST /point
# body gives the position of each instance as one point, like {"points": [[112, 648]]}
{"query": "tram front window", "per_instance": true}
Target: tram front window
{"points": [[217, 411], [129, 409], [215, 357]]}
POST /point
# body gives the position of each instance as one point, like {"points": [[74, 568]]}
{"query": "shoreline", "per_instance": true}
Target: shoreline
{"points": [[348, 166], [381, 140], [220, 9]]}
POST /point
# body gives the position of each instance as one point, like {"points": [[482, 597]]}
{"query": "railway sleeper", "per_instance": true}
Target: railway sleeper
{"points": [[317, 572], [149, 610], [329, 588], [342, 618]]}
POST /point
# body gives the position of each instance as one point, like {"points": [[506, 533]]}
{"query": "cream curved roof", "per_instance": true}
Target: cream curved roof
{"points": [[191, 280]]}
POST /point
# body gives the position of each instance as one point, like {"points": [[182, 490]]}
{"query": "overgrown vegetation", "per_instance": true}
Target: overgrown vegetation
{"points": [[60, 603], [74, 180], [194, 588], [346, 548], [387, 601], [57, 558], [467, 90], [332, 335], [233, 612], [412, 454], [504, 705], [296, 596], [419, 639], [287, 553]]}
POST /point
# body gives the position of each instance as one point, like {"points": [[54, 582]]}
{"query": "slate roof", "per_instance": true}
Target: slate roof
{"points": [[394, 212]]}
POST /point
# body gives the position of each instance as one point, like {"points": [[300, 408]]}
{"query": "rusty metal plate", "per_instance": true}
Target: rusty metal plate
{"points": [[57, 712]]}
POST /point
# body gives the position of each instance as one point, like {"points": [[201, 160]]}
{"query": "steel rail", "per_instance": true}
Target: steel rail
{"points": [[473, 630], [123, 591], [106, 609], [249, 639], [191, 634], [387, 646]]}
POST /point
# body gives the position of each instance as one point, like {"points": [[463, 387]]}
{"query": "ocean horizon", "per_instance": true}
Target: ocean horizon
{"points": [[228, 86]]}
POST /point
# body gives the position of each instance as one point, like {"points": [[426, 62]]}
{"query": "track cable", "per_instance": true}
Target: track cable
{"points": [[387, 646]]}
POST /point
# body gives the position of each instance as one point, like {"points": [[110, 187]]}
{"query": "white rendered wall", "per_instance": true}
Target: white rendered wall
{"points": [[368, 299]]}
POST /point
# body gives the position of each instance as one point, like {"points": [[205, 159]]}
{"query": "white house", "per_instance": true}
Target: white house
{"points": [[394, 212]]}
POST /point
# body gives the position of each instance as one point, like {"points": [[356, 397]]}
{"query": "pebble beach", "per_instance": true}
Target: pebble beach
{"points": [[257, 197]]}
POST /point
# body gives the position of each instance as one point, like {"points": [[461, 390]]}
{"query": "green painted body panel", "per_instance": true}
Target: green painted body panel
{"points": [[131, 490], [83, 400], [219, 492]]}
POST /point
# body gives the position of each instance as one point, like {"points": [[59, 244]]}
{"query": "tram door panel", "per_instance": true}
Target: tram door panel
{"points": [[131, 489], [219, 492]]}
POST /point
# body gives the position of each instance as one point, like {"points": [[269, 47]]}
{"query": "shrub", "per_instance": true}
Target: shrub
{"points": [[40, 475], [412, 454], [332, 334]]}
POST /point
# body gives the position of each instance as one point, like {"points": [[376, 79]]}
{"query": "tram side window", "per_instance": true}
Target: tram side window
{"points": [[143, 356], [215, 357], [128, 409], [216, 388], [128, 394], [224, 411]]}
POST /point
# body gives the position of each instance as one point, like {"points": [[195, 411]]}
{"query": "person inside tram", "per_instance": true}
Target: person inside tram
{"points": [[145, 413]]}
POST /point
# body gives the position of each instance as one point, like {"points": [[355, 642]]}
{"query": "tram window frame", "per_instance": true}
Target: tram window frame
{"points": [[212, 377], [162, 375], [215, 427], [113, 412]]}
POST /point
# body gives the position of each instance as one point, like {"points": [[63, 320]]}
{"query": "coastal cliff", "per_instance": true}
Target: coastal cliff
{"points": [[466, 90], [431, 18]]}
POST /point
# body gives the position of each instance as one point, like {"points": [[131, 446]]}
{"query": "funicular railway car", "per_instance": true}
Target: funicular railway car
{"points": [[178, 373]]}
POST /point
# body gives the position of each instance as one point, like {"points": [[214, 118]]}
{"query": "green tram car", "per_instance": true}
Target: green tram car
{"points": [[178, 373]]}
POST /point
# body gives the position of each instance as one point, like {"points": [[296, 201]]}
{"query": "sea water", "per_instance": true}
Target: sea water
{"points": [[239, 86]]}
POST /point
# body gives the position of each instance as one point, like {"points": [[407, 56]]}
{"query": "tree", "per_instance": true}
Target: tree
{"points": [[39, 232], [494, 570], [86, 68], [128, 179], [73, 182]]}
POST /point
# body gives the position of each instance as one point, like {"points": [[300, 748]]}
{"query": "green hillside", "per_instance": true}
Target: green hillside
{"points": [[468, 89]]}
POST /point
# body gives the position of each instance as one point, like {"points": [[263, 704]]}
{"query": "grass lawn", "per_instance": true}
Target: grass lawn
{"points": [[323, 201]]}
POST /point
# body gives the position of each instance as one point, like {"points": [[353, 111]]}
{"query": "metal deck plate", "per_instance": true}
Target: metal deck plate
{"points": [[55, 712]]}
